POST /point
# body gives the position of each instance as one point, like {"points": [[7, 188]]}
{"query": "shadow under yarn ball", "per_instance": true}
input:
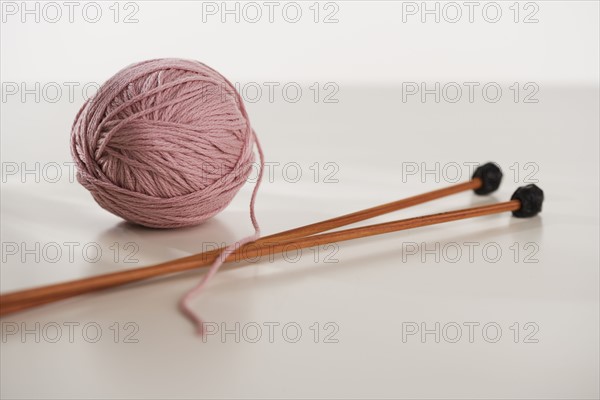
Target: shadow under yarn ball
{"points": [[164, 143]]}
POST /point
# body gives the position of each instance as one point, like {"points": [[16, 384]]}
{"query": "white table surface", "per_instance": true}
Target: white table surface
{"points": [[374, 287], [363, 298]]}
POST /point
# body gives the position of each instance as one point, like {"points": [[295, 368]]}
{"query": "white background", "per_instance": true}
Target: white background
{"points": [[369, 134], [369, 43]]}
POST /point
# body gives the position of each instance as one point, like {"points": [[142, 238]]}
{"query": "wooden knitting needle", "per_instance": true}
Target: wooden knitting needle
{"points": [[525, 202], [486, 179]]}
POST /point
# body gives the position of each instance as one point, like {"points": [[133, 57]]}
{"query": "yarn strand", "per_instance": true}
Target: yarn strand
{"points": [[167, 143], [184, 303]]}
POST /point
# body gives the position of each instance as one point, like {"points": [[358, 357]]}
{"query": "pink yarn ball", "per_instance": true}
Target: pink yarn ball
{"points": [[164, 143]]}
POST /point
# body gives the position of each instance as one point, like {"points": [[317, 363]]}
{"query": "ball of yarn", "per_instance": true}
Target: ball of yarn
{"points": [[164, 143]]}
